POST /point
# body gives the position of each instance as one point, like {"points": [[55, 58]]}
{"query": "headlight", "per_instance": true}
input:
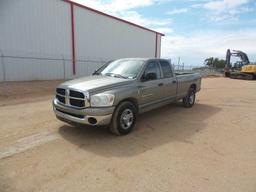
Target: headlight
{"points": [[102, 100]]}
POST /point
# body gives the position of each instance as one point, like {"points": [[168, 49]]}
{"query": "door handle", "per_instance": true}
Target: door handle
{"points": [[160, 84]]}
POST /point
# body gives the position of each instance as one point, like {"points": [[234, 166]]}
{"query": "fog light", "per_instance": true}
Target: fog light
{"points": [[92, 120]]}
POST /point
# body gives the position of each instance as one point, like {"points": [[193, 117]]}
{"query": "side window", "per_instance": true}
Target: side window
{"points": [[166, 68], [152, 68]]}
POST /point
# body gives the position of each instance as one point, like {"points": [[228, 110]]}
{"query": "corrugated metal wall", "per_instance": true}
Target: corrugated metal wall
{"points": [[37, 29], [38, 34], [102, 37]]}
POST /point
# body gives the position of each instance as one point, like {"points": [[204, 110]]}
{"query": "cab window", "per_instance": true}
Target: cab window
{"points": [[166, 69], [152, 71]]}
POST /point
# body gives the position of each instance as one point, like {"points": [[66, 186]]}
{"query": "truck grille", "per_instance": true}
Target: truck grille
{"points": [[78, 103], [61, 98], [76, 94], [60, 91], [71, 97]]}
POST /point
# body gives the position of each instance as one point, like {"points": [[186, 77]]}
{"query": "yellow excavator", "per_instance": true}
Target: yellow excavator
{"points": [[242, 69]]}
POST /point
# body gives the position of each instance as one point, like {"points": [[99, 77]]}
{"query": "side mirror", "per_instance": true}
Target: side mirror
{"points": [[150, 76]]}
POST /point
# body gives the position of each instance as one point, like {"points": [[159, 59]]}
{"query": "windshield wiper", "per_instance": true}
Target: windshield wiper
{"points": [[116, 75], [96, 73]]}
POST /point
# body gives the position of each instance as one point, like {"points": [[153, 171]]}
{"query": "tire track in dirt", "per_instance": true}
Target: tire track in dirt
{"points": [[27, 143]]}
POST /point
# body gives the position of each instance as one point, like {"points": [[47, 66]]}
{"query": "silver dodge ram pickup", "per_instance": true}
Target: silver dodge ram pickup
{"points": [[118, 91]]}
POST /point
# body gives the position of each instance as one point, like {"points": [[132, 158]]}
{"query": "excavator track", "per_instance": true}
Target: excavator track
{"points": [[241, 76]]}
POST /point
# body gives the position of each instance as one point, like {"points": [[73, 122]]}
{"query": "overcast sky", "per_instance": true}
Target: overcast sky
{"points": [[194, 29]]}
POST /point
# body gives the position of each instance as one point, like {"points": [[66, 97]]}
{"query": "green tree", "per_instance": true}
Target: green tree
{"points": [[215, 62]]}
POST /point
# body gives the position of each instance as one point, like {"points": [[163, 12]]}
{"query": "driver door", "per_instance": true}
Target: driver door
{"points": [[151, 90]]}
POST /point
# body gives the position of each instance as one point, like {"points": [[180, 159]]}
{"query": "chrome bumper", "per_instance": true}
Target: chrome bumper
{"points": [[68, 114]]}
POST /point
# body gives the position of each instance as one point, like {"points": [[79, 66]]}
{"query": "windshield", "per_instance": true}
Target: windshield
{"points": [[124, 68]]}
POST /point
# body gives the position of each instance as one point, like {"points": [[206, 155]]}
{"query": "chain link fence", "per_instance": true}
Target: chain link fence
{"points": [[203, 70], [20, 68]]}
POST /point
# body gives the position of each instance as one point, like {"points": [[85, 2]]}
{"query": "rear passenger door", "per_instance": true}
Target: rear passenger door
{"points": [[169, 80]]}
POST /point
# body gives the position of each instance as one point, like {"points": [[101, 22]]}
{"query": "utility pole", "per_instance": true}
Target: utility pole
{"points": [[178, 63]]}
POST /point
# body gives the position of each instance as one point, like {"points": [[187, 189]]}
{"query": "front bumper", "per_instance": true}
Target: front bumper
{"points": [[87, 116]]}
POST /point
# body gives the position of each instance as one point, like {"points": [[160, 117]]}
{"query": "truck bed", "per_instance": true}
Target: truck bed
{"points": [[184, 80]]}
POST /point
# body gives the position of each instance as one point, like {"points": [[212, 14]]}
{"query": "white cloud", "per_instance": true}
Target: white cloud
{"points": [[221, 10], [198, 5], [177, 11], [195, 48], [135, 17], [247, 9], [223, 5]]}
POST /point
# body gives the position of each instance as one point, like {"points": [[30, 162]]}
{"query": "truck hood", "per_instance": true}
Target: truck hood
{"points": [[95, 83]]}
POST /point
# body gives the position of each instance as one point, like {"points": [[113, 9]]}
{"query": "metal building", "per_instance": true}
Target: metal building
{"points": [[61, 39]]}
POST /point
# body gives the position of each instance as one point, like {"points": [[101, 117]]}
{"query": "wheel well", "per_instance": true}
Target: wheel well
{"points": [[132, 100], [193, 86]]}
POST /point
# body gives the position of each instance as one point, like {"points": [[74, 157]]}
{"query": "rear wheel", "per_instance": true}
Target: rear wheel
{"points": [[189, 99], [124, 119]]}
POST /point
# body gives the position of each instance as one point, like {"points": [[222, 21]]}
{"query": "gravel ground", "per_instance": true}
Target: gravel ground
{"points": [[210, 147]]}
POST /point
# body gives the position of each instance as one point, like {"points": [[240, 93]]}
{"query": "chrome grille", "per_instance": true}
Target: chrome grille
{"points": [[61, 98], [72, 98], [60, 95], [60, 91], [76, 94]]}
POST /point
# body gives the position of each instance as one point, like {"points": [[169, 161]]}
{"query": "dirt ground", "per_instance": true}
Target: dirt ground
{"points": [[210, 147]]}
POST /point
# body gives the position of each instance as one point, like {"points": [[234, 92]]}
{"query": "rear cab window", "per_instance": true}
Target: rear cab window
{"points": [[166, 69]]}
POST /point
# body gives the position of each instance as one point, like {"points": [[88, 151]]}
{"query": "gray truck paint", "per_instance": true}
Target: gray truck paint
{"points": [[146, 95]]}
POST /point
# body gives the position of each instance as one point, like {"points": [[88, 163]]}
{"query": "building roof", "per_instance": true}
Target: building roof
{"points": [[112, 17]]}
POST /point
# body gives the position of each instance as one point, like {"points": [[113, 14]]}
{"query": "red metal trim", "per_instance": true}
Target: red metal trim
{"points": [[73, 38], [113, 17], [156, 47]]}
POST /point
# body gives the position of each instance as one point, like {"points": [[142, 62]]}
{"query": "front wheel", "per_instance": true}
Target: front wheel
{"points": [[124, 119], [189, 100]]}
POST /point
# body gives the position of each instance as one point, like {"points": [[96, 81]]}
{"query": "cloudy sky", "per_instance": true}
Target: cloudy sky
{"points": [[194, 29]]}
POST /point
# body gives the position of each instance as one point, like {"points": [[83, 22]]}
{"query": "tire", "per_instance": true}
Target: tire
{"points": [[189, 100], [124, 119]]}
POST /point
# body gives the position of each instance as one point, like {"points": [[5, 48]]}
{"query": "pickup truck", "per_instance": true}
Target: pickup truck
{"points": [[120, 90]]}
